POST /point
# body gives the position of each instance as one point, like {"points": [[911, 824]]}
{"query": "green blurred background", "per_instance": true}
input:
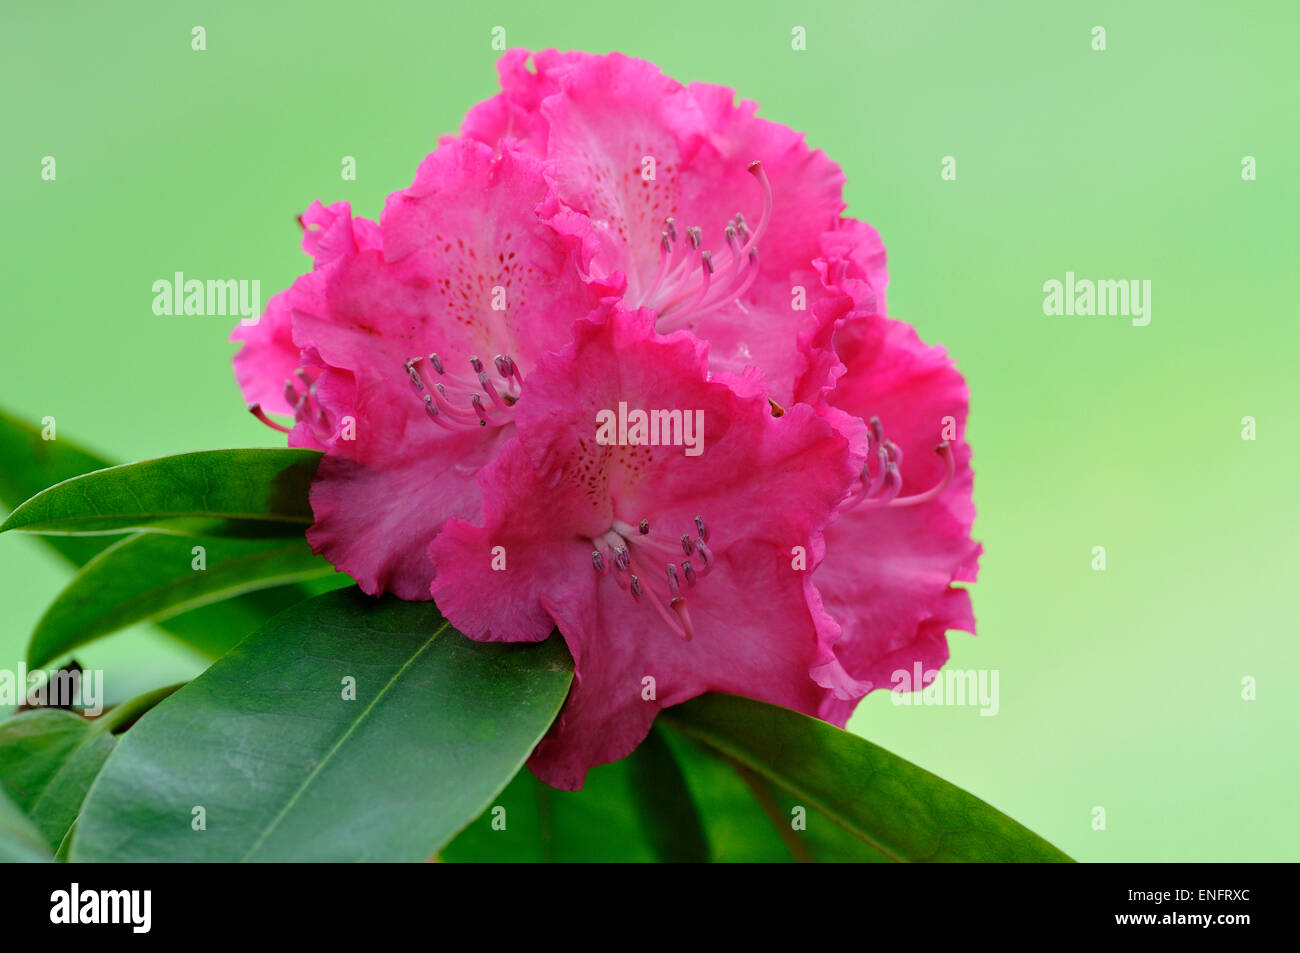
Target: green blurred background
{"points": [[1119, 689]]}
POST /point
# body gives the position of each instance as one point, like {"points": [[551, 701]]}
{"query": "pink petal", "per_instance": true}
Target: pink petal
{"points": [[463, 233], [515, 113], [888, 572], [613, 113], [268, 356], [763, 485]]}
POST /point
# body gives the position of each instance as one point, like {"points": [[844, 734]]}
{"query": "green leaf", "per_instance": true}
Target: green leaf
{"points": [[61, 855], [633, 810], [215, 629], [891, 805], [147, 577], [530, 822], [664, 803], [32, 464], [285, 767], [749, 820], [48, 759], [243, 493], [20, 841]]}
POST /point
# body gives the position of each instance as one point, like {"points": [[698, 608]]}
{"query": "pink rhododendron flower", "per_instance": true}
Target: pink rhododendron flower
{"points": [[663, 571], [903, 537], [659, 247], [412, 340], [712, 217]]}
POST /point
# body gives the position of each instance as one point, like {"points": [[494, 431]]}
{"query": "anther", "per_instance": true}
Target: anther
{"points": [[622, 559], [756, 170], [477, 402], [413, 374], [431, 409], [475, 363], [688, 571], [257, 411], [674, 586], [636, 587], [490, 389], [644, 528], [701, 529], [687, 546], [598, 561], [436, 361], [706, 556]]}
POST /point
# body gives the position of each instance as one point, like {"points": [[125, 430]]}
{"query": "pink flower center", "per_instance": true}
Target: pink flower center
{"points": [[690, 283], [631, 554], [457, 401], [882, 487]]}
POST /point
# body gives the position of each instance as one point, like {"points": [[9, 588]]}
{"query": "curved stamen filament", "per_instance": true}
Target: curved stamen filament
{"points": [[633, 552], [306, 406], [689, 284], [882, 487], [257, 411], [945, 451], [465, 405], [665, 258], [706, 276], [740, 285]]}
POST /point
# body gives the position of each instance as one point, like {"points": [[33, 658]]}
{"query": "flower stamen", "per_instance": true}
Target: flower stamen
{"points": [[689, 285], [431, 381], [632, 561], [882, 487], [257, 411]]}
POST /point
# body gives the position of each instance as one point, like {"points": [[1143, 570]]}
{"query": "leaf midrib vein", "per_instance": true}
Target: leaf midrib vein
{"points": [[339, 744]]}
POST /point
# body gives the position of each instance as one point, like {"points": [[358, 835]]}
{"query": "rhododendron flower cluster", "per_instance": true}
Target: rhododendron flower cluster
{"points": [[600, 237]]}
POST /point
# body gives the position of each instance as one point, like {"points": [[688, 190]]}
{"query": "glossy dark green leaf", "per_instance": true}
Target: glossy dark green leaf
{"points": [[31, 464], [664, 803], [893, 806], [49, 757], [243, 493], [20, 841], [147, 577], [748, 819], [268, 750], [61, 855], [214, 629], [633, 810], [530, 822]]}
